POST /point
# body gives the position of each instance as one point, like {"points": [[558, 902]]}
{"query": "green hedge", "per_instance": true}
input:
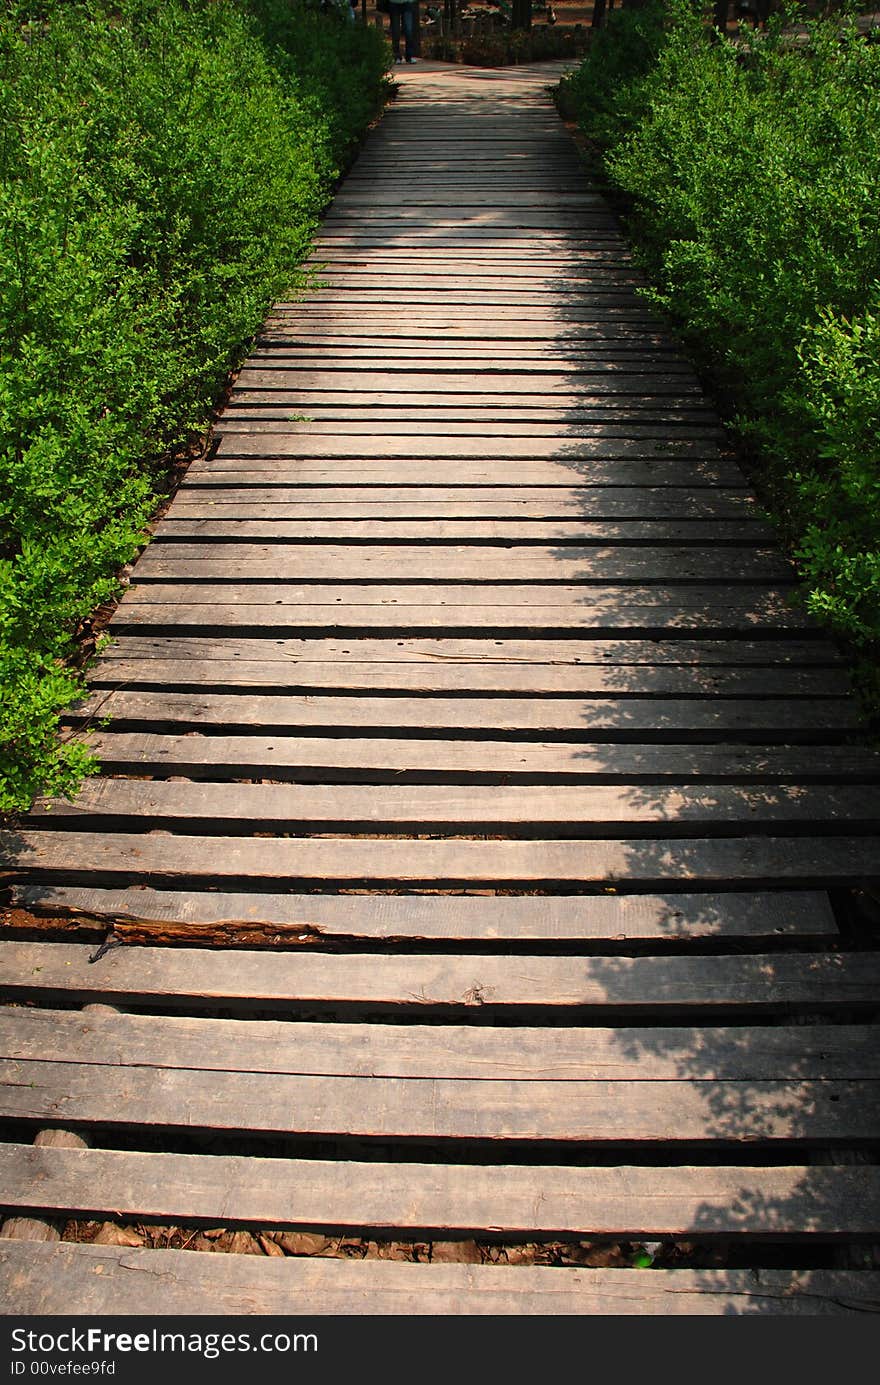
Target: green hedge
{"points": [[162, 167], [753, 177]]}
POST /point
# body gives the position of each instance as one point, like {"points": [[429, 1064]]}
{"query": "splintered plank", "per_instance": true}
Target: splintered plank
{"points": [[605, 920], [550, 1054], [565, 810], [55, 1279], [789, 1202], [449, 562], [649, 989], [631, 717], [801, 1111]]}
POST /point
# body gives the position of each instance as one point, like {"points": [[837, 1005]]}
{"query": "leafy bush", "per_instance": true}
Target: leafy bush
{"points": [[603, 93], [162, 167], [753, 173]]}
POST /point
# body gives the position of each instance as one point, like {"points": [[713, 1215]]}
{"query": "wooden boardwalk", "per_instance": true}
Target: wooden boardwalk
{"points": [[499, 805]]}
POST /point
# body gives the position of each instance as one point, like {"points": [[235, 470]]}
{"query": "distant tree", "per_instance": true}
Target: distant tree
{"points": [[521, 14]]}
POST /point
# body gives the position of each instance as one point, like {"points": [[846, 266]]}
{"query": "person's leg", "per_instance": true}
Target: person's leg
{"points": [[409, 30], [395, 16]]}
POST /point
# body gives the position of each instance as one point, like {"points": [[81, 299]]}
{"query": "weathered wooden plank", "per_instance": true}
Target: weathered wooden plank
{"points": [[632, 716], [651, 432], [204, 561], [389, 322], [785, 1202], [809, 862], [396, 359], [494, 427], [524, 239], [435, 608], [648, 619], [707, 658], [363, 289], [752, 602], [200, 521], [602, 286], [376, 450], [269, 455], [564, 810], [453, 674], [280, 757], [508, 382], [463, 919], [600, 1112], [561, 316], [278, 494], [451, 1052], [672, 415], [360, 344], [649, 989], [305, 400], [351, 197], [45, 1280]]}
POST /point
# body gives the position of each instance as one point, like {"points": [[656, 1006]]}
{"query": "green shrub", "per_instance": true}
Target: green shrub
{"points": [[753, 176], [162, 167], [602, 93]]}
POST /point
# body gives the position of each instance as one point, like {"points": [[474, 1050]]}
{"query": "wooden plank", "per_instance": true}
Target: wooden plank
{"points": [[601, 1112], [620, 920], [430, 610], [280, 757], [199, 521], [559, 1202], [288, 337], [660, 438], [451, 1052], [202, 561], [579, 603], [561, 316], [301, 440], [304, 400], [45, 1280], [499, 428], [269, 455], [494, 289], [563, 810], [649, 989], [507, 382], [386, 323], [395, 358], [282, 498], [452, 674], [523, 239], [632, 717], [646, 863], [709, 658], [671, 415], [352, 197]]}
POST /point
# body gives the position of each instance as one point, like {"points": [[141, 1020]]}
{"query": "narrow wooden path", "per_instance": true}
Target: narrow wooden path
{"points": [[478, 812]]}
